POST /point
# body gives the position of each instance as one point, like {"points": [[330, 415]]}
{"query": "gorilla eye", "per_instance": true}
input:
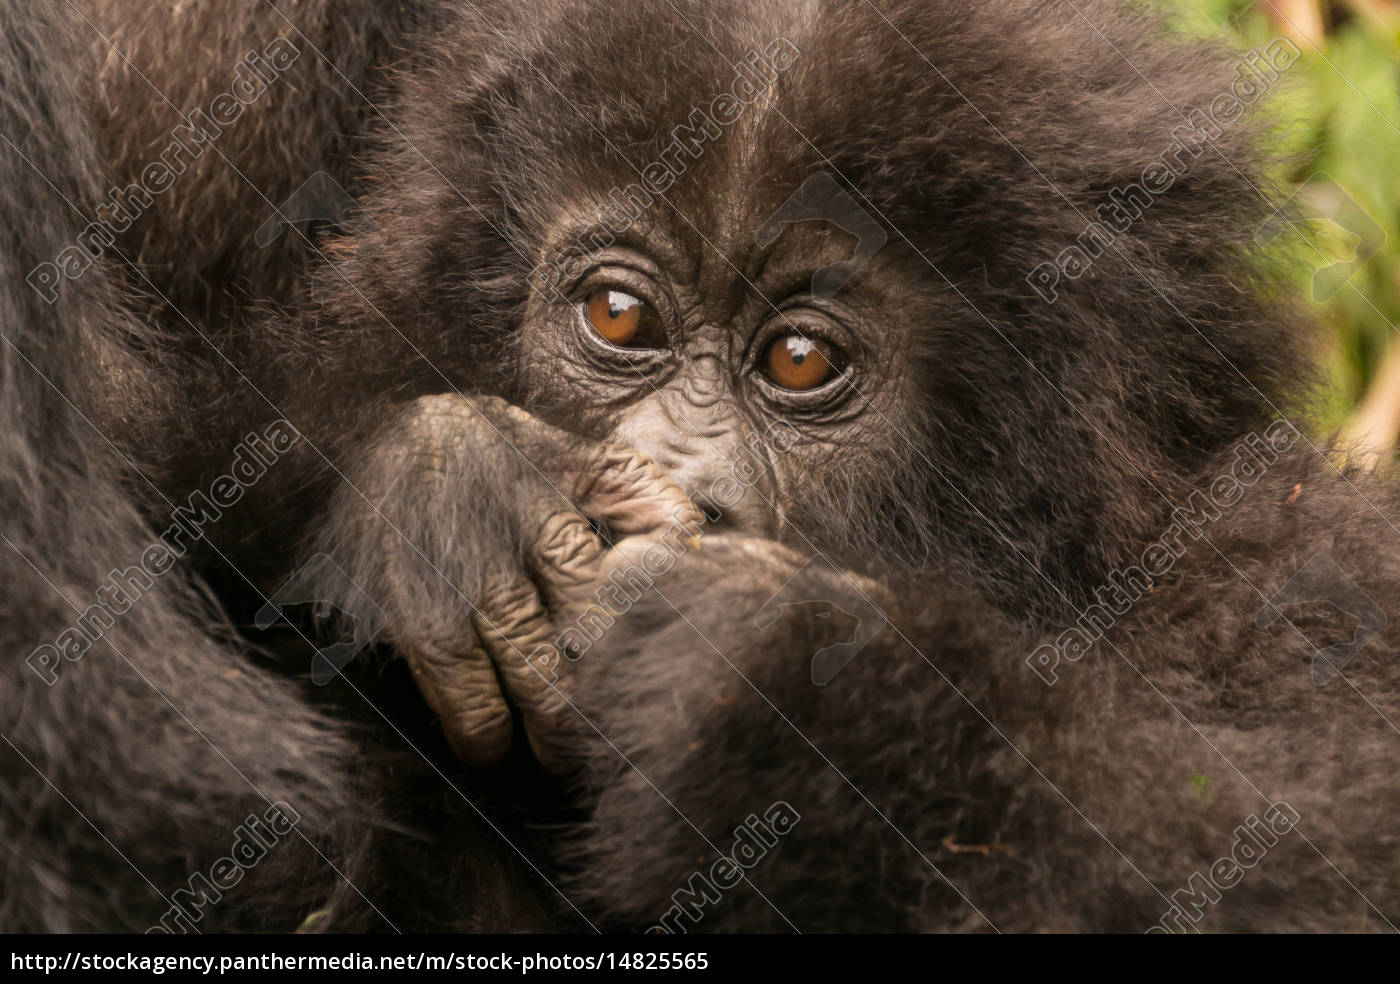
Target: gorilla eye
{"points": [[797, 363], [624, 320]]}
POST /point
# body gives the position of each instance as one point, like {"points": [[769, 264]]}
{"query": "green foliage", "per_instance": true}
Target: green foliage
{"points": [[1341, 112], [1200, 786]]}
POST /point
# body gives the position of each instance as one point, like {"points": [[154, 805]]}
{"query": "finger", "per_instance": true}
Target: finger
{"points": [[618, 485], [563, 554], [460, 686], [625, 489], [517, 633]]}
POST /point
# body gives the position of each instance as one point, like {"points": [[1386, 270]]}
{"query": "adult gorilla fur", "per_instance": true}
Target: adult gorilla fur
{"points": [[941, 784]]}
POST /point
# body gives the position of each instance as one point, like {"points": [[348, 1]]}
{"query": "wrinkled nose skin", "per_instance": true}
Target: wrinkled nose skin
{"points": [[692, 429]]}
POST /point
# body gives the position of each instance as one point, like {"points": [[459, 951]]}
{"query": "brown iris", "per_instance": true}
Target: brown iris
{"points": [[623, 319], [795, 362]]}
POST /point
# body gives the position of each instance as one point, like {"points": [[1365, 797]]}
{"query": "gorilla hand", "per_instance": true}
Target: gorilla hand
{"points": [[467, 522], [726, 708]]}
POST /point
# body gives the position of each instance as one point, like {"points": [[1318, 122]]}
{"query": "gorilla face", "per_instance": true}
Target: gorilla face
{"points": [[688, 213], [701, 361], [733, 388], [759, 345]]}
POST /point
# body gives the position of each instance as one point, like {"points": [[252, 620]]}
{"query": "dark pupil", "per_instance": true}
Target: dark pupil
{"points": [[619, 304], [797, 357]]}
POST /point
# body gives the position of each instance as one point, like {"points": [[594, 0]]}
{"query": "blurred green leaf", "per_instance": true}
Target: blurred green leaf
{"points": [[1341, 118]]}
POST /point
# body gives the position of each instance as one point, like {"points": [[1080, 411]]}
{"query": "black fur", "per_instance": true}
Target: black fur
{"points": [[115, 790], [941, 784]]}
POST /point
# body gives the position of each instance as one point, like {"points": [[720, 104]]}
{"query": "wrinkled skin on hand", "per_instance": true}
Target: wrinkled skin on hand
{"points": [[487, 565], [481, 543]]}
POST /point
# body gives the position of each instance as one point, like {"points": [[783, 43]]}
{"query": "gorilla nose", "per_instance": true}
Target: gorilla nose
{"points": [[732, 495], [716, 516], [702, 448]]}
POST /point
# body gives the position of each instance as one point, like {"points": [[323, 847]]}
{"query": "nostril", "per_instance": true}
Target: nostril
{"points": [[730, 506], [714, 514], [601, 530]]}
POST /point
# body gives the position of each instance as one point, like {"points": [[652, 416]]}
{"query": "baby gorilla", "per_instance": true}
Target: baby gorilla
{"points": [[678, 389]]}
